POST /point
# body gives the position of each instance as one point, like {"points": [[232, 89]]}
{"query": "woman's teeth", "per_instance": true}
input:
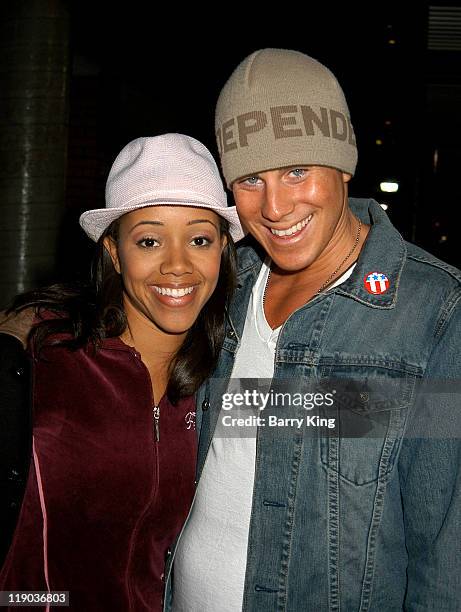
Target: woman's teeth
{"points": [[176, 293]]}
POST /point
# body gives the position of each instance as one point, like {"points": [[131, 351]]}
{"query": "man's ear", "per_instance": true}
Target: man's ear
{"points": [[346, 177], [111, 247]]}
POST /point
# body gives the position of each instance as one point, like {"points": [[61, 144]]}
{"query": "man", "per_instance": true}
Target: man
{"points": [[328, 293]]}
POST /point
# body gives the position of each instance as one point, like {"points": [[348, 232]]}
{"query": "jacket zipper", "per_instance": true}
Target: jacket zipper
{"points": [[156, 416]]}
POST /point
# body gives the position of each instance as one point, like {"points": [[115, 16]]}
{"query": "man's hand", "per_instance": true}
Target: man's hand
{"points": [[17, 324]]}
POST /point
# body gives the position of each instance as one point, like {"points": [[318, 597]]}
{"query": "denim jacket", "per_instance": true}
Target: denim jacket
{"points": [[349, 524]]}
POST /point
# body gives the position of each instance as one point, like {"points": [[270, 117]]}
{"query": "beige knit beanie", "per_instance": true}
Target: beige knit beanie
{"points": [[281, 108]]}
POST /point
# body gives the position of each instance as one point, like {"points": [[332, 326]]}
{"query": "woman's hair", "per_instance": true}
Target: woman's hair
{"points": [[94, 311]]}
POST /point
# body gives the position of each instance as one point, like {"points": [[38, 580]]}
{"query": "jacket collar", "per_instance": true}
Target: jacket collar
{"points": [[115, 343], [250, 260], [384, 252]]}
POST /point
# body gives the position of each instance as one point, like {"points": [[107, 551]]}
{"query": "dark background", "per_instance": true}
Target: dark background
{"points": [[137, 71]]}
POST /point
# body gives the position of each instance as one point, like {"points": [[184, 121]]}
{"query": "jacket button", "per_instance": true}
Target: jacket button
{"points": [[13, 505], [19, 372], [364, 396], [205, 404], [231, 334]]}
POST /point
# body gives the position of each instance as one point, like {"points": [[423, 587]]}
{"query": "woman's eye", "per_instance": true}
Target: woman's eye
{"points": [[201, 241], [147, 243]]}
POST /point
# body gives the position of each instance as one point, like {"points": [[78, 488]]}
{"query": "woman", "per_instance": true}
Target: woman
{"points": [[115, 367]]}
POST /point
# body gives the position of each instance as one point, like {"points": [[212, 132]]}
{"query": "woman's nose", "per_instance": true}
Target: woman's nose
{"points": [[176, 262]]}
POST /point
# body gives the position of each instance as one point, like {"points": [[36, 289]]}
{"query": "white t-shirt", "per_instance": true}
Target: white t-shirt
{"points": [[210, 561]]}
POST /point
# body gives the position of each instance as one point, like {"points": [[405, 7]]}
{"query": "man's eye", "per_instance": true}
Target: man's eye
{"points": [[298, 172], [251, 180]]}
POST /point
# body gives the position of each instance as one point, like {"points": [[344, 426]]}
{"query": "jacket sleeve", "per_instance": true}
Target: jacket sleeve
{"points": [[429, 469], [15, 433]]}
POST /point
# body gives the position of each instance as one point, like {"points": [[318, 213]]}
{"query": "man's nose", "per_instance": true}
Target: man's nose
{"points": [[176, 262], [277, 202]]}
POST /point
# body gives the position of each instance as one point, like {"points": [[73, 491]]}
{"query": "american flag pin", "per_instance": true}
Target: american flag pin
{"points": [[376, 283]]}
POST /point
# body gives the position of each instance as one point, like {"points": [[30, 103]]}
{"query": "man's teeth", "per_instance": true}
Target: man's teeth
{"points": [[293, 229], [173, 292]]}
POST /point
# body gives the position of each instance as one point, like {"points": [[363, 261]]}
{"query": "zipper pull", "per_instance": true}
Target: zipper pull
{"points": [[156, 414]]}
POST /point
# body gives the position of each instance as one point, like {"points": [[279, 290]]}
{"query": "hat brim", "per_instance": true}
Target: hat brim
{"points": [[95, 222]]}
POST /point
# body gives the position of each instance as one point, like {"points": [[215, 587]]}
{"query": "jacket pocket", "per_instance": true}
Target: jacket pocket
{"points": [[370, 410]]}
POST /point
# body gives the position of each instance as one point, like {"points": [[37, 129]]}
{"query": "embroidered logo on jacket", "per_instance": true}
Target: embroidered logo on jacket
{"points": [[190, 420]]}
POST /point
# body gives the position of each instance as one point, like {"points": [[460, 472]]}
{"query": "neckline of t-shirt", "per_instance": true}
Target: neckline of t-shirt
{"points": [[268, 334]]}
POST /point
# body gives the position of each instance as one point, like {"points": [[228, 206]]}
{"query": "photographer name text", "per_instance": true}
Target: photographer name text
{"points": [[274, 421]]}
